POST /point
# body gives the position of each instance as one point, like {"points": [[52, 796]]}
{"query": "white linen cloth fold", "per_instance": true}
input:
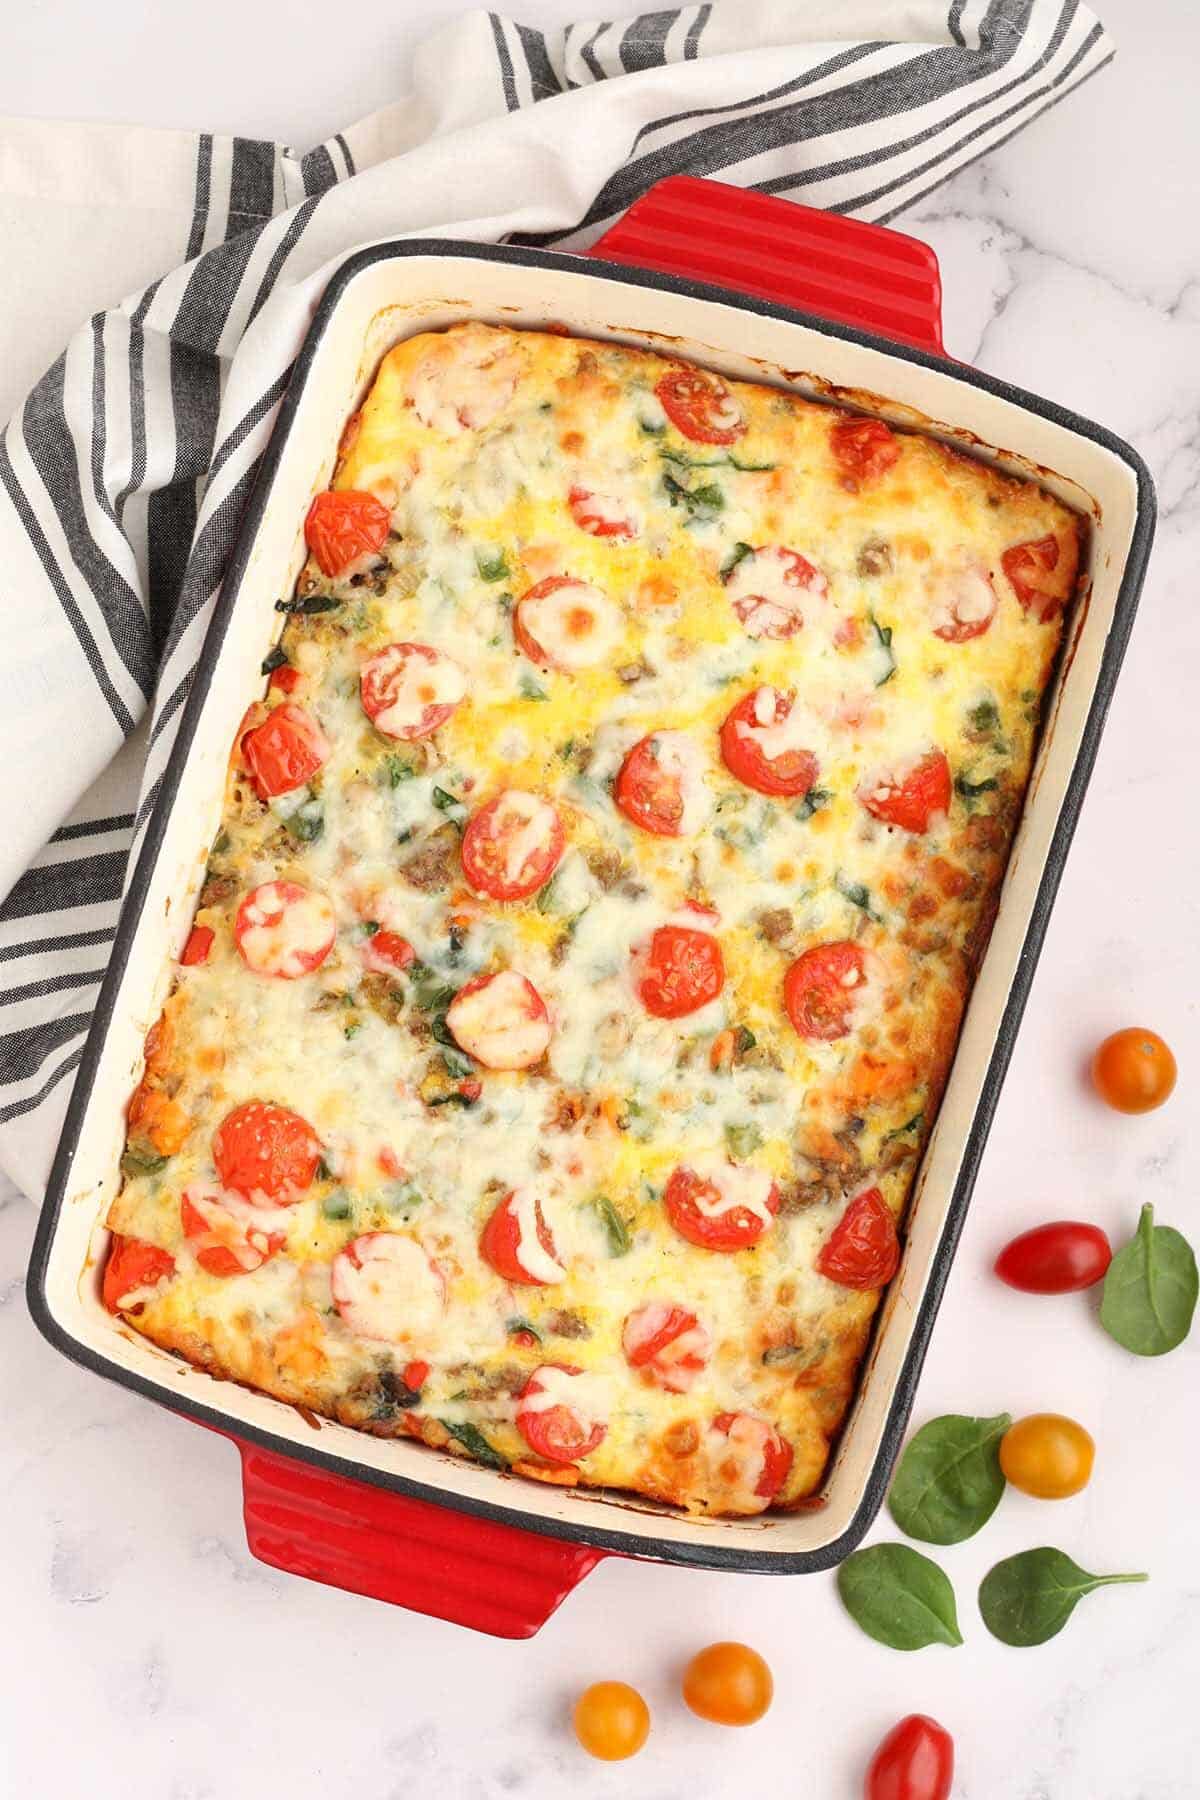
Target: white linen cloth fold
{"points": [[124, 473]]}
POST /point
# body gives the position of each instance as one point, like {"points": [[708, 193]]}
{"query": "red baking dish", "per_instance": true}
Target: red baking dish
{"points": [[827, 306]]}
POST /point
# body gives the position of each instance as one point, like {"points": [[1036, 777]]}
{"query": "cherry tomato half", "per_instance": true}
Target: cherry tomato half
{"points": [[722, 1207], [285, 751], [700, 406], [863, 1250], [1134, 1070], [762, 749], [342, 527], [1030, 569], [1059, 1258], [1048, 1456], [660, 783], [915, 1761], [728, 1684], [864, 450], [820, 988], [611, 1720], [679, 971], [512, 846], [912, 796], [133, 1264], [266, 1150]]}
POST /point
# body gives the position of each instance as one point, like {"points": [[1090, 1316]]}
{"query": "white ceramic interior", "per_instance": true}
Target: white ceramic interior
{"points": [[380, 303]]}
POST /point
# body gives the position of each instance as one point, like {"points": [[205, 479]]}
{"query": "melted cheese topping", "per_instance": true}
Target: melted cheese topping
{"points": [[431, 1108]]}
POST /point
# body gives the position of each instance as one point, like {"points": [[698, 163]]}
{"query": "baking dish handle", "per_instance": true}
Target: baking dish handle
{"points": [[845, 270], [450, 1565]]}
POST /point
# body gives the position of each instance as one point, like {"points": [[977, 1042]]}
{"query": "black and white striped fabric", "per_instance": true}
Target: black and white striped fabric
{"points": [[123, 475]]}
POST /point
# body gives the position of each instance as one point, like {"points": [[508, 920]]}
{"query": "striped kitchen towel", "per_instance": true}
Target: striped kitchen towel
{"points": [[125, 470]]}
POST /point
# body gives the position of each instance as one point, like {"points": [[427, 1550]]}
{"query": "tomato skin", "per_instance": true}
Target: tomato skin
{"points": [[343, 526], [864, 450], [966, 608], [199, 943], [285, 751], [700, 406], [500, 1242], [559, 1433], [1048, 1456], [912, 797], [776, 1451], [863, 1249], [728, 1684], [284, 680], [265, 1149], [601, 517], [509, 1029], [820, 987], [489, 835], [788, 775], [132, 1264], [666, 1344], [408, 691], [1134, 1070], [1060, 1258], [680, 971], [611, 1720], [915, 1761], [736, 1229], [242, 1244], [262, 936], [1027, 566], [649, 790]]}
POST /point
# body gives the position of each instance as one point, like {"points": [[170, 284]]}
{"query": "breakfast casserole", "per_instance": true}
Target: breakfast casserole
{"points": [[601, 881]]}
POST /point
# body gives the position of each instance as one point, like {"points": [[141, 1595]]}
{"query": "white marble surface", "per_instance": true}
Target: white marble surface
{"points": [[144, 1651]]}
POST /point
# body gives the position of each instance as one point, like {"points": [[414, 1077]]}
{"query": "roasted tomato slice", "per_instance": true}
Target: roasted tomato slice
{"points": [[387, 953], [266, 1151], [518, 1244], [229, 1234], [821, 988], [769, 588], [601, 514], [199, 943], [666, 1344], [678, 971], [132, 1266], [863, 1250], [1031, 570], [500, 1020], [567, 624], [342, 527], [512, 846], [285, 751], [700, 406], [963, 604], [912, 796], [763, 1456], [284, 930], [385, 1286], [557, 1420], [762, 744], [660, 785], [864, 450], [409, 690], [721, 1206]]}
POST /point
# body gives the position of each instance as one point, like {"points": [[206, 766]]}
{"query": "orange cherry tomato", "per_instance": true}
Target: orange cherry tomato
{"points": [[1134, 1070], [265, 1150], [700, 406], [342, 527], [729, 1684], [864, 450], [133, 1264], [1048, 1456], [612, 1721]]}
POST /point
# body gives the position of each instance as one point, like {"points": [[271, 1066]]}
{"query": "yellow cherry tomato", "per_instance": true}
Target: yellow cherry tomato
{"points": [[729, 1684], [612, 1721], [1134, 1070], [1047, 1455]]}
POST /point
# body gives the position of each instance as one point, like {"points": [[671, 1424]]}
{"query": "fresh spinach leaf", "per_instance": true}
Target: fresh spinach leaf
{"points": [[474, 1442], [899, 1597], [1150, 1290], [615, 1228], [309, 603], [1028, 1598], [492, 564], [949, 1481]]}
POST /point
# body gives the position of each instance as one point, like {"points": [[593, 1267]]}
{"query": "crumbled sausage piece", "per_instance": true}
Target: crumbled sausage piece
{"points": [[566, 1324], [875, 557], [775, 923], [432, 866], [606, 866]]}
